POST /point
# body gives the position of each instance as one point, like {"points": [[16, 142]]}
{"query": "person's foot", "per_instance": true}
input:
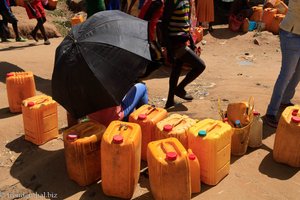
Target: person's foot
{"points": [[169, 104], [34, 36], [210, 29], [183, 94], [6, 40], [47, 42], [271, 120], [20, 39]]}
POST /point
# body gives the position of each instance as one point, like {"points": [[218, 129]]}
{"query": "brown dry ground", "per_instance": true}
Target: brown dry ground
{"points": [[38, 172]]}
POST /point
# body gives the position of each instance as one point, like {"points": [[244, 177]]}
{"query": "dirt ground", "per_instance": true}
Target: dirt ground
{"points": [[236, 69]]}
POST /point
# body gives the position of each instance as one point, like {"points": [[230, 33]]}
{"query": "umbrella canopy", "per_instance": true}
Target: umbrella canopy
{"points": [[98, 62]]}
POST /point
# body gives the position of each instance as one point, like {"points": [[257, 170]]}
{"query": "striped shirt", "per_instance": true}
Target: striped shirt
{"points": [[179, 24]]}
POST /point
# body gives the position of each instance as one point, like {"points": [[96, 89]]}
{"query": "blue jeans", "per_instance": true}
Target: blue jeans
{"points": [[289, 76], [135, 97]]}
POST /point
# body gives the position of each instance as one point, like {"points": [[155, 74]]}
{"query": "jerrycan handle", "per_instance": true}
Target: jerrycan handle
{"points": [[150, 109], [179, 121], [211, 127], [124, 126], [171, 153]]}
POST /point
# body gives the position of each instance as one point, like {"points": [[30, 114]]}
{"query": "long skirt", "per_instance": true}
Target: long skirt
{"points": [[205, 10]]}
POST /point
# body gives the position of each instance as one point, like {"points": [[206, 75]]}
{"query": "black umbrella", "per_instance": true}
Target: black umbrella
{"points": [[98, 62]]}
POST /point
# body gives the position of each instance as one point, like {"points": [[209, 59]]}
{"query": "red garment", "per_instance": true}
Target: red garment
{"points": [[154, 19], [38, 7], [107, 115]]}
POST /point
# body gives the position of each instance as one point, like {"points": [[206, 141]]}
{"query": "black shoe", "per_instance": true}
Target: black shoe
{"points": [[169, 105], [184, 95], [34, 36], [271, 120]]}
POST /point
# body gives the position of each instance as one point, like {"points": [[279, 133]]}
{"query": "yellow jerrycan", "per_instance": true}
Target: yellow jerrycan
{"points": [[19, 86], [194, 172], [82, 152], [175, 125], [169, 173], [120, 158], [40, 119], [147, 117], [210, 141], [287, 137]]}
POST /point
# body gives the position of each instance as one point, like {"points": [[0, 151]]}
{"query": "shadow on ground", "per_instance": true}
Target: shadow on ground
{"points": [[276, 170], [41, 171], [42, 85]]}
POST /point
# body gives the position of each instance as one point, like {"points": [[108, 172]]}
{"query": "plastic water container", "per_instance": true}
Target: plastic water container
{"points": [[210, 140], [256, 131], [175, 125], [147, 117], [40, 119], [77, 19], [287, 137], [120, 158], [194, 172], [169, 173], [282, 8], [82, 152], [19, 86], [257, 13], [268, 17], [274, 28]]}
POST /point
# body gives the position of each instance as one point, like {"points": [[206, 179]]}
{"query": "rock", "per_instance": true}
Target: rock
{"points": [[256, 41]]}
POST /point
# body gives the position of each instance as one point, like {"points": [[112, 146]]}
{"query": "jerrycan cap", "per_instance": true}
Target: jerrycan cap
{"points": [[72, 137], [10, 74], [142, 116], [192, 156], [202, 133], [30, 104], [255, 113], [118, 139], [171, 156], [168, 127], [225, 119], [295, 112], [296, 119]]}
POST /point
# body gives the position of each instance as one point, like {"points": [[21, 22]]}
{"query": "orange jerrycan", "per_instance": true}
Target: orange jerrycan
{"points": [[281, 7], [40, 119], [175, 125], [147, 117], [210, 140], [194, 172], [19, 86], [169, 173], [287, 137], [77, 19], [257, 13], [268, 17], [82, 152], [274, 28], [120, 158]]}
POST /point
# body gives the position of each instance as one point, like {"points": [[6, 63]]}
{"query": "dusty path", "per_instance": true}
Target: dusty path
{"points": [[231, 75]]}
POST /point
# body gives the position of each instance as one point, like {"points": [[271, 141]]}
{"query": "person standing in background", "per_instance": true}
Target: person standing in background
{"points": [[8, 17], [176, 31], [205, 13], [289, 76], [94, 6], [35, 10]]}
